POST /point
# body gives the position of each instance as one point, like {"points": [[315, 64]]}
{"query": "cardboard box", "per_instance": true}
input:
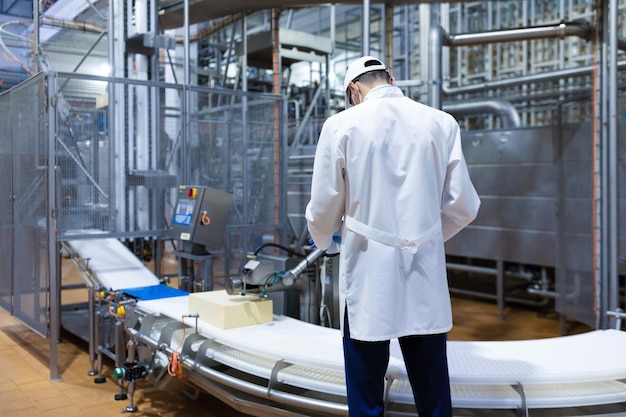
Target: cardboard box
{"points": [[229, 311]]}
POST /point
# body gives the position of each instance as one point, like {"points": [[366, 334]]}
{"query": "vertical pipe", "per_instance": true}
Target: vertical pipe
{"points": [[276, 66], [36, 37], [427, 57], [601, 249], [110, 125], [156, 214], [333, 35], [613, 284], [111, 39], [388, 19], [434, 62], [444, 22], [92, 329], [244, 53], [408, 44], [332, 52], [186, 99], [500, 288], [186, 44], [596, 158], [244, 108], [366, 28]]}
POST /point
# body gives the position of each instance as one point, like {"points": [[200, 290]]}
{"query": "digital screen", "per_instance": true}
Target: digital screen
{"points": [[184, 212]]}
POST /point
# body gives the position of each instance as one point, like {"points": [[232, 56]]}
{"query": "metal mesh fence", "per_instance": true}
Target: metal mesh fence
{"points": [[6, 203], [239, 145], [120, 164], [121, 148], [83, 157], [28, 115]]}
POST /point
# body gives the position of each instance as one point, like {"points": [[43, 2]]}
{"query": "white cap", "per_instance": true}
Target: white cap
{"points": [[360, 67]]}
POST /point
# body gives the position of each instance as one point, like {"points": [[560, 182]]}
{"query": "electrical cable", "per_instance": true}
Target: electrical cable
{"points": [[276, 245], [10, 56]]}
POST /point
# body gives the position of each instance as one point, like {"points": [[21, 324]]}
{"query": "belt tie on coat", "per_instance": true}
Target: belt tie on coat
{"points": [[389, 239]]}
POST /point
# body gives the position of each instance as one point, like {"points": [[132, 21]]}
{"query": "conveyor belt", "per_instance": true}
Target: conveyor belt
{"points": [[571, 371], [111, 263]]}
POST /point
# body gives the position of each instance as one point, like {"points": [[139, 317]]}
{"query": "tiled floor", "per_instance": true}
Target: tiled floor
{"points": [[26, 389]]}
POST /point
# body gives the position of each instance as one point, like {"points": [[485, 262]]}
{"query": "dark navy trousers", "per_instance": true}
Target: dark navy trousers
{"points": [[427, 367]]}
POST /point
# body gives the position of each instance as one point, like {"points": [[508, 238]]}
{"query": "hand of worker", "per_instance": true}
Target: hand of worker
{"points": [[334, 247]]}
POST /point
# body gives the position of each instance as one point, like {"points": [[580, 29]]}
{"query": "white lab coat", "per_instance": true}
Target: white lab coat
{"points": [[390, 174]]}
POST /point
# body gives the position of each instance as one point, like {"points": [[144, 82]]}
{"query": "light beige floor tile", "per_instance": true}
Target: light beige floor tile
{"points": [[52, 403], [45, 394], [26, 376], [69, 411], [24, 412], [17, 402], [37, 386], [8, 386]]}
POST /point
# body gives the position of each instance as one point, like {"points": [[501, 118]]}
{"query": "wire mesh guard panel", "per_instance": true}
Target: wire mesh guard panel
{"points": [[28, 115], [6, 203], [120, 164], [83, 153]]}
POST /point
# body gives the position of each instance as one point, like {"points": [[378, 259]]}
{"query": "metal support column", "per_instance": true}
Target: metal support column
{"points": [[612, 155], [53, 249], [366, 28]]}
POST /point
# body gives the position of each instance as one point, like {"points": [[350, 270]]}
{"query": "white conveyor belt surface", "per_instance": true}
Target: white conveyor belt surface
{"points": [[567, 371], [115, 266]]}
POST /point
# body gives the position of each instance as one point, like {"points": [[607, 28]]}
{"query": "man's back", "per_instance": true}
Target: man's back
{"points": [[388, 167], [396, 156]]}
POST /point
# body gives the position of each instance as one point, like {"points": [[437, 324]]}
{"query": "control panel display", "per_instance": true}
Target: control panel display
{"points": [[200, 216]]}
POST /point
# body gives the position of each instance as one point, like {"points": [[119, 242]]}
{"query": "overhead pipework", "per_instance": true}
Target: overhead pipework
{"points": [[499, 107], [440, 38]]}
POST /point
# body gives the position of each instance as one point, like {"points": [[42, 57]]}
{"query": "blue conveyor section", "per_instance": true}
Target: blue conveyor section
{"points": [[154, 292]]}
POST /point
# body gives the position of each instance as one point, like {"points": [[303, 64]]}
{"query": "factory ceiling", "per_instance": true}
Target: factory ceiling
{"points": [[83, 50], [172, 16]]}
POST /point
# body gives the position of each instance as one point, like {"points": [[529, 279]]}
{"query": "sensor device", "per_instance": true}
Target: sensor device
{"points": [[200, 216]]}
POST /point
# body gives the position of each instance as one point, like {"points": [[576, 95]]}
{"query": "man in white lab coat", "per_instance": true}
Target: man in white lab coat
{"points": [[389, 173]]}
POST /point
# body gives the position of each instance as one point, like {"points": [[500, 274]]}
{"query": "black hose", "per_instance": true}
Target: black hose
{"points": [[276, 245]]}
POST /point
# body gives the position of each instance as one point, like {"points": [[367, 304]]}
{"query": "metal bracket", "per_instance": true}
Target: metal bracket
{"points": [[192, 316], [523, 410], [278, 366], [188, 343], [203, 357], [167, 334], [146, 324], [619, 315]]}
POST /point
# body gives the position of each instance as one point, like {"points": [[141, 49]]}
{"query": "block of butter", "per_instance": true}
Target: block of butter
{"points": [[229, 311]]}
